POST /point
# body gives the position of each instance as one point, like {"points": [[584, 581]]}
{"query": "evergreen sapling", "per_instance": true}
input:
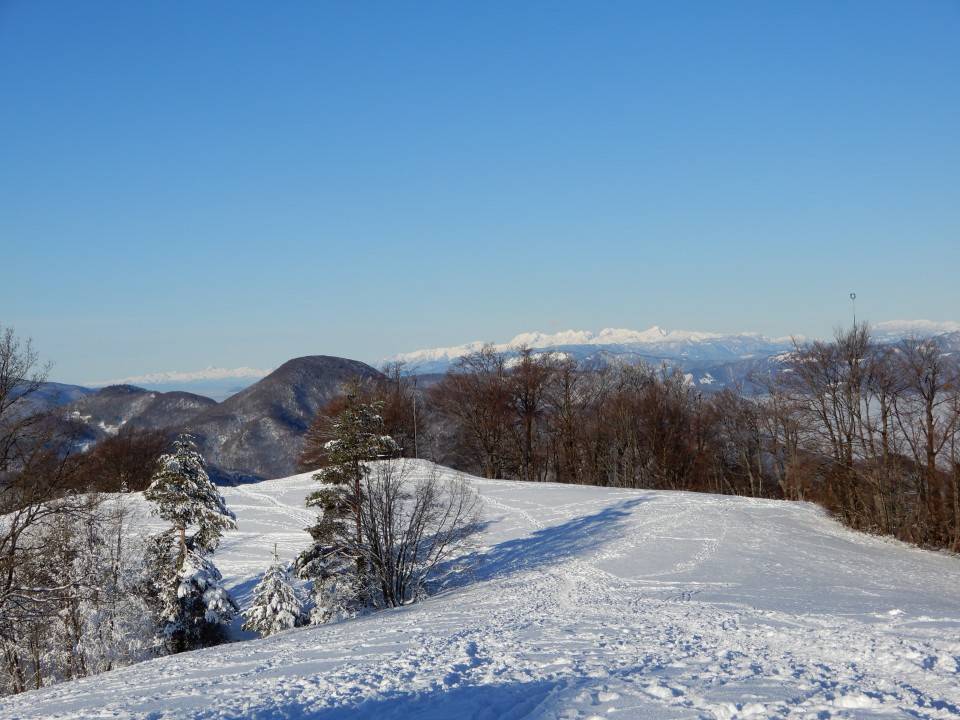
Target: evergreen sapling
{"points": [[276, 605]]}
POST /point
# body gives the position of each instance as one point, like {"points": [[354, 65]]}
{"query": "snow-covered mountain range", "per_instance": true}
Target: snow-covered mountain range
{"points": [[590, 603], [694, 350], [692, 347], [711, 359], [896, 329]]}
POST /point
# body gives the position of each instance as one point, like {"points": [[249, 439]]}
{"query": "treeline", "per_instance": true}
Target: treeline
{"points": [[868, 430]]}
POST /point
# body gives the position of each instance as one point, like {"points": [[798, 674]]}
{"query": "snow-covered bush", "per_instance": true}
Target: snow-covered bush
{"points": [[93, 614]]}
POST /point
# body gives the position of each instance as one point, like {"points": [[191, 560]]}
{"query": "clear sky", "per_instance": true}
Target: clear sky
{"points": [[241, 183]]}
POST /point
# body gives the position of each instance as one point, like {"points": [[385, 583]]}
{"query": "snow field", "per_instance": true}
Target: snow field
{"points": [[591, 603]]}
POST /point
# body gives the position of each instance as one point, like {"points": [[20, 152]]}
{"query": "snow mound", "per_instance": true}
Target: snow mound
{"points": [[591, 602]]}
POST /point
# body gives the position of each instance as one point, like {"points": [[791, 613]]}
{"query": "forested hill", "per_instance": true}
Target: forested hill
{"points": [[254, 434]]}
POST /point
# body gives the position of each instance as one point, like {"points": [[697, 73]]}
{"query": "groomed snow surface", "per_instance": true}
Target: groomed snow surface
{"points": [[592, 603]]}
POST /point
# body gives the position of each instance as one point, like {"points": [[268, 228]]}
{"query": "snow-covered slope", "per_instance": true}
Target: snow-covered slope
{"points": [[591, 603]]}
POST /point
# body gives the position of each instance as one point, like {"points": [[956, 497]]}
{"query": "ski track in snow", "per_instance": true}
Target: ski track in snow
{"points": [[592, 603]]}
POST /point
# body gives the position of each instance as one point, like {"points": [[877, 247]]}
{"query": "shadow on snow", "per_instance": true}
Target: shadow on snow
{"points": [[542, 547], [440, 702]]}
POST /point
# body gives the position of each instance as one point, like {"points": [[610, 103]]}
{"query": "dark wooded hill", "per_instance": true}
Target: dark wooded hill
{"points": [[118, 405], [255, 434]]}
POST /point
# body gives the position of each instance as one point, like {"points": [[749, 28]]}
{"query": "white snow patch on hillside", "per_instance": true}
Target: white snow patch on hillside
{"points": [[592, 603]]}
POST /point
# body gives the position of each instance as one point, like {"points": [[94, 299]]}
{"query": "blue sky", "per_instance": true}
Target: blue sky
{"points": [[239, 183]]}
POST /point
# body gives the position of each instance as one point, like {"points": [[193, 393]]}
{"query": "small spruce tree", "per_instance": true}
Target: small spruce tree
{"points": [[275, 605], [193, 608]]}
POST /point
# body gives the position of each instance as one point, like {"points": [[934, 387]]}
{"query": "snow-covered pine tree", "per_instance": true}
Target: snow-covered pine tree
{"points": [[276, 605], [186, 497], [193, 608]]}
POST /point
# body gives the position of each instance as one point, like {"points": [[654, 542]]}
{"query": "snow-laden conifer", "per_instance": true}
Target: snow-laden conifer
{"points": [[193, 608], [354, 436], [186, 497], [276, 605]]}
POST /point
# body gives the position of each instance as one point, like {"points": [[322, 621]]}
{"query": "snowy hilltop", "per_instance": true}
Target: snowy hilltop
{"points": [[590, 603]]}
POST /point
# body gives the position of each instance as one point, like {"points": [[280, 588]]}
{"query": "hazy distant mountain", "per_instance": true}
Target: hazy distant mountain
{"points": [[118, 405], [102, 413], [52, 394], [256, 433], [212, 382], [895, 330]]}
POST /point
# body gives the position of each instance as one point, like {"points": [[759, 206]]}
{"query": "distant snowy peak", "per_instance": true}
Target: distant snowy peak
{"points": [[207, 374], [607, 336], [655, 342], [896, 329], [689, 348]]}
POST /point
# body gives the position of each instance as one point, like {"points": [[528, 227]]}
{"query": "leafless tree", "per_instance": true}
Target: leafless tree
{"points": [[473, 400], [60, 551], [928, 422], [123, 462], [35, 473], [381, 535], [526, 385], [412, 527]]}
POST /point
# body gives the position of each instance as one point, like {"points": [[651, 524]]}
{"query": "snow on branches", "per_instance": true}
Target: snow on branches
{"points": [[193, 607], [276, 605]]}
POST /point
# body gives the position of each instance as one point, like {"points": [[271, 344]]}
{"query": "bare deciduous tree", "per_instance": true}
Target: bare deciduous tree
{"points": [[412, 526], [473, 399]]}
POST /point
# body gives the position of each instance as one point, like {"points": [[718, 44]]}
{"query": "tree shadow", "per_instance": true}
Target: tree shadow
{"points": [[440, 702], [542, 547]]}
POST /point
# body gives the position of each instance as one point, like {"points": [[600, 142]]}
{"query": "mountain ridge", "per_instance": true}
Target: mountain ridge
{"points": [[694, 347]]}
